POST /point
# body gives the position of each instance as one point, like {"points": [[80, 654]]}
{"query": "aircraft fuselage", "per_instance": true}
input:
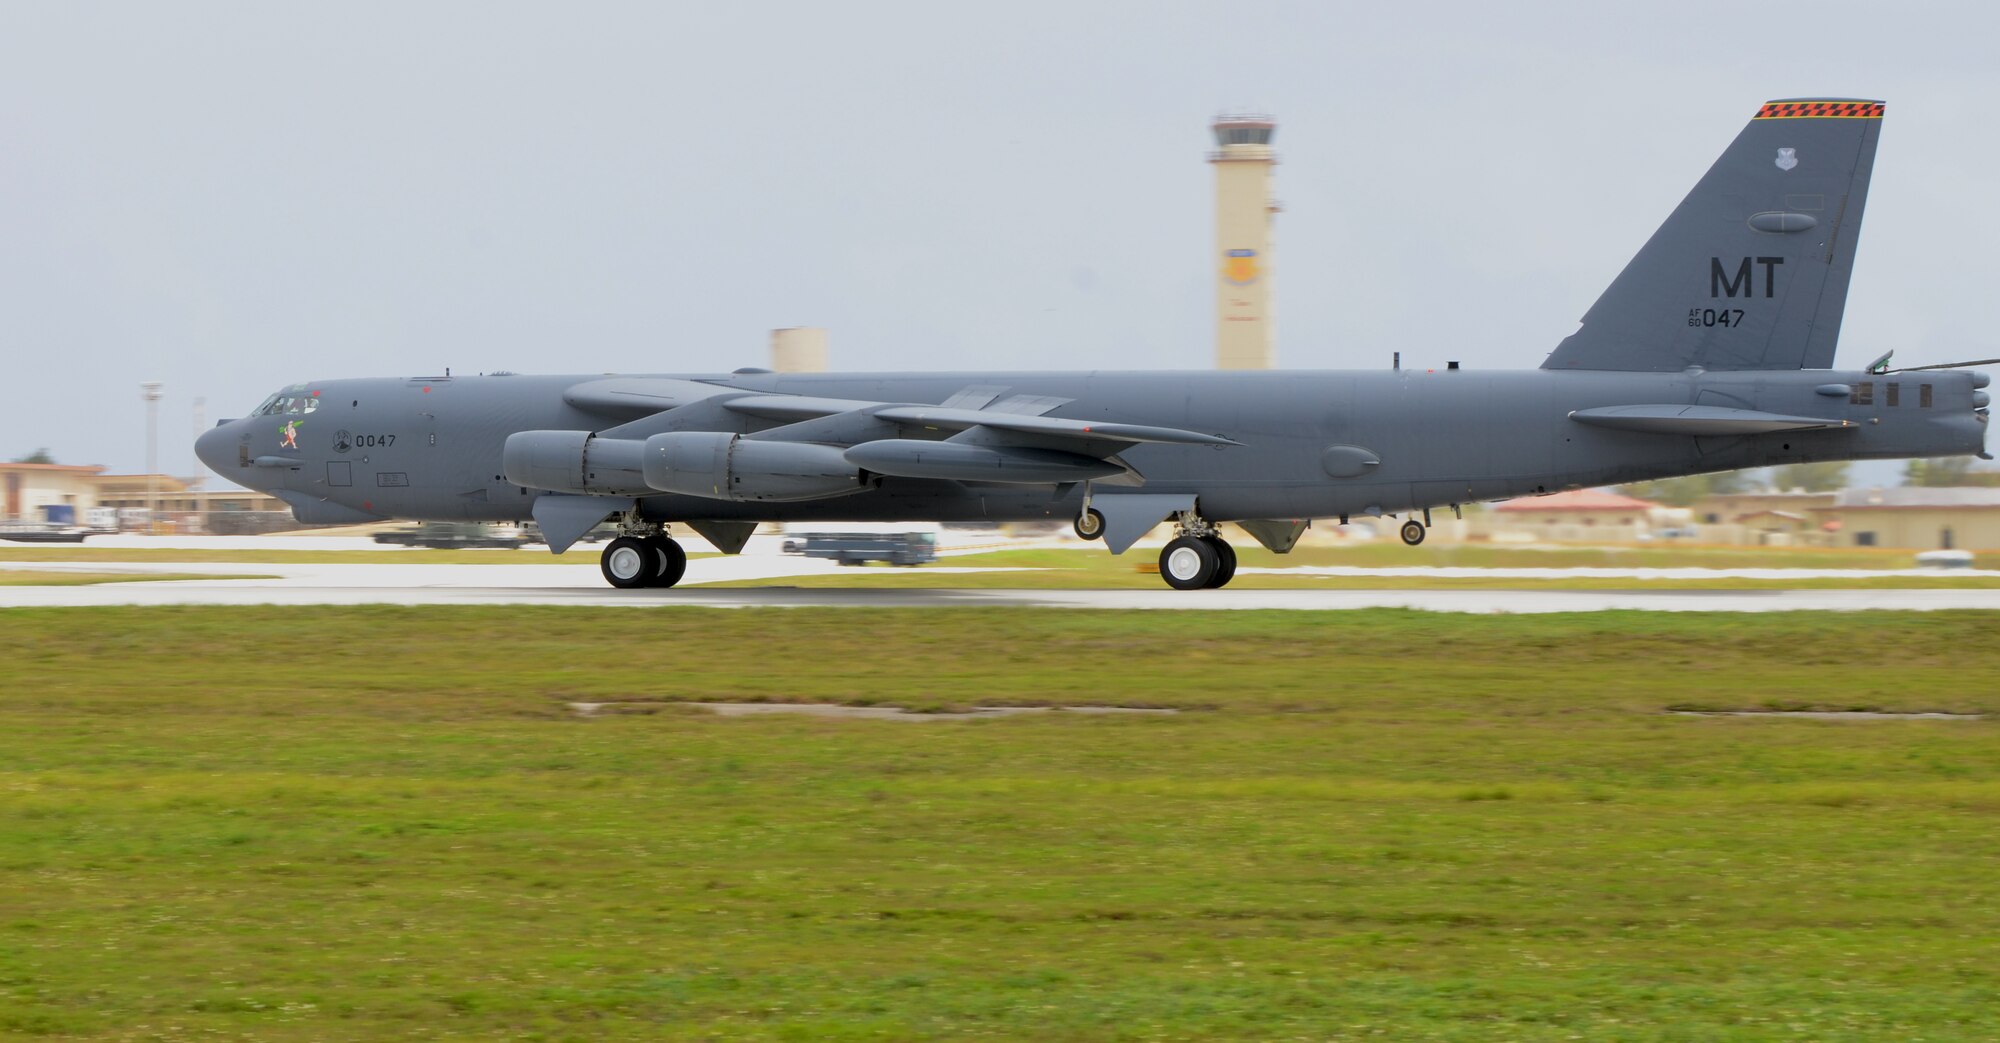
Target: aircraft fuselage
{"points": [[431, 448]]}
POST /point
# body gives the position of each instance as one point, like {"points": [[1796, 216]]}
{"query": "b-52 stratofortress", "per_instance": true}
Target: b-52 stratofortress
{"points": [[1711, 351]]}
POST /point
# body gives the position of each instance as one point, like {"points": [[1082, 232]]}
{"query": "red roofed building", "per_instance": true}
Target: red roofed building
{"points": [[1580, 514]]}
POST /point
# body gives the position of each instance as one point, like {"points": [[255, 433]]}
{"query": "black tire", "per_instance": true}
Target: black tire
{"points": [[1089, 525], [1225, 568], [1413, 532], [629, 563], [1188, 563], [673, 561]]}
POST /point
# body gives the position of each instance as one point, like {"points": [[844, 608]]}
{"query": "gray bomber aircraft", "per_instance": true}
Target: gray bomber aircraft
{"points": [[1709, 352]]}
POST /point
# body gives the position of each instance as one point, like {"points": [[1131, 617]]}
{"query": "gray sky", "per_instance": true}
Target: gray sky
{"points": [[233, 197]]}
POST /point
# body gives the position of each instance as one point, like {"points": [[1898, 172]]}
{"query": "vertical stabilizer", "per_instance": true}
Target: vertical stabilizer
{"points": [[1751, 270]]}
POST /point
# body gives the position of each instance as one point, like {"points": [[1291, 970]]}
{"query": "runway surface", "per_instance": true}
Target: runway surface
{"points": [[362, 584]]}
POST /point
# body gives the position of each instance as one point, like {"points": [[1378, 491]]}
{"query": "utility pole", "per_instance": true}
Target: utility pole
{"points": [[199, 472], [150, 390]]}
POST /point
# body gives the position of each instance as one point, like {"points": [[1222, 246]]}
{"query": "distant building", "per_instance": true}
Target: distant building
{"points": [[1580, 515], [1730, 508], [30, 487], [1765, 519], [1917, 517], [1777, 528], [178, 496]]}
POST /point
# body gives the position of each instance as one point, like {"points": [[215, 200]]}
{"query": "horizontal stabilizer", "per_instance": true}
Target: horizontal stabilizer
{"points": [[1698, 420]]}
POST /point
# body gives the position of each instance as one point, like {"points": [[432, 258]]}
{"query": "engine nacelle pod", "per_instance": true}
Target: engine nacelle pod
{"points": [[724, 466], [573, 462]]}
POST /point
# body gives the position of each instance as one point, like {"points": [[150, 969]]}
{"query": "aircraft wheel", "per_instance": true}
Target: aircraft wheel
{"points": [[1089, 525], [1189, 563], [1225, 558], [673, 561], [1413, 532], [629, 563]]}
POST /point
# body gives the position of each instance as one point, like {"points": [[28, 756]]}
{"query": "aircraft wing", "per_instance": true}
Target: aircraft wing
{"points": [[943, 418], [977, 435], [1003, 443], [632, 397]]}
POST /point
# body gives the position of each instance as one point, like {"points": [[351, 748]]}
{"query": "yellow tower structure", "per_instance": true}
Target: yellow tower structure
{"points": [[798, 349], [1243, 214]]}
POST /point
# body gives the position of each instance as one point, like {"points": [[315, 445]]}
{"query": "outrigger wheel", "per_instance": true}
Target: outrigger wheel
{"points": [[1089, 525], [1413, 532]]}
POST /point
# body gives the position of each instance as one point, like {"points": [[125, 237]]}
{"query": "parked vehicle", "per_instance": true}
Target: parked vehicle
{"points": [[38, 532], [457, 535], [857, 548], [1945, 559]]}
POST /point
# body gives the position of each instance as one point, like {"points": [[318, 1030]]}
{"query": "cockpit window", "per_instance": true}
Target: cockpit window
{"points": [[293, 405]]}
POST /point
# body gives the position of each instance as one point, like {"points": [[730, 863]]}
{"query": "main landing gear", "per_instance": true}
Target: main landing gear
{"points": [[651, 560], [1197, 557]]}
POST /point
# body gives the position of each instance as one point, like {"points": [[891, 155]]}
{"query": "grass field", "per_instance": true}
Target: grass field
{"points": [[43, 578], [1375, 554], [1093, 569], [385, 823], [580, 555]]}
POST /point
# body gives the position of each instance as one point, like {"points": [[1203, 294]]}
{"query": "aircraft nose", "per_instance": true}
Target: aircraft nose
{"points": [[214, 446]]}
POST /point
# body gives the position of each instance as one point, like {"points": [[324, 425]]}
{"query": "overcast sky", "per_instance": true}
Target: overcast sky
{"points": [[233, 197]]}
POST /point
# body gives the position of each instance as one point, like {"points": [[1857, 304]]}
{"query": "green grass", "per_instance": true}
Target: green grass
{"points": [[44, 578], [384, 823], [1390, 552], [582, 555], [1092, 568]]}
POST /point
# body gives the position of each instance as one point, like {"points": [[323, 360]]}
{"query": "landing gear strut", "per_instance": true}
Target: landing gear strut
{"points": [[1198, 557], [643, 556]]}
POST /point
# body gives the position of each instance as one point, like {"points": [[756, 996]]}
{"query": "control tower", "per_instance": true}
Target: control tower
{"points": [[1242, 263]]}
